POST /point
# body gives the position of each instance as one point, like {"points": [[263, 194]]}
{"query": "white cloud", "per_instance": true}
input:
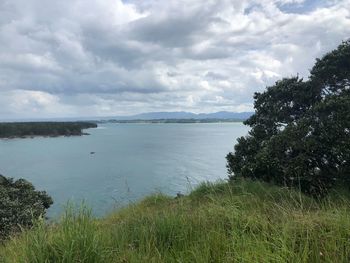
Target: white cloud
{"points": [[90, 57]]}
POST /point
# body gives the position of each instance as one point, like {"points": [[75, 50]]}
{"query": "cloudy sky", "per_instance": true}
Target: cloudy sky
{"points": [[73, 58]]}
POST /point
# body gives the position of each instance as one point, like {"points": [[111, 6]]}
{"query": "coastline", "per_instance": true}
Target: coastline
{"points": [[43, 136]]}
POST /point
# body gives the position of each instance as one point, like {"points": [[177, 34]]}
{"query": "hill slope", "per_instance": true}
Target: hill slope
{"points": [[245, 222]]}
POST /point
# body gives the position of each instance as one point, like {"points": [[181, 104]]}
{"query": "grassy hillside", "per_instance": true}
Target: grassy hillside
{"points": [[244, 222]]}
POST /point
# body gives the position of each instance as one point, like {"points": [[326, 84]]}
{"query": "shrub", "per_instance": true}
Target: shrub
{"points": [[20, 204]]}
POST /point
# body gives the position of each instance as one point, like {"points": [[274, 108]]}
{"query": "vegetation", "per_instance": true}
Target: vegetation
{"points": [[27, 129], [20, 204], [300, 132], [242, 222]]}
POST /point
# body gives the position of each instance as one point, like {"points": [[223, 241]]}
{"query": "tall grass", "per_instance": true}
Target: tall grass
{"points": [[243, 222]]}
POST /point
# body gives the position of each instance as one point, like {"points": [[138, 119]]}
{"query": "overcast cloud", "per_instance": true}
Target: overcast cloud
{"points": [[110, 57]]}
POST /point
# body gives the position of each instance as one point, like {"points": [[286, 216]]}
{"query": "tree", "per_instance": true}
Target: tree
{"points": [[20, 205], [300, 132]]}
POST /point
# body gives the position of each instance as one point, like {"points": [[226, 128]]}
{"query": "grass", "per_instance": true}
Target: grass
{"points": [[242, 222]]}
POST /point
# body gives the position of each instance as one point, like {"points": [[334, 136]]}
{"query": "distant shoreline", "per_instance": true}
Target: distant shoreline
{"points": [[181, 121], [42, 136], [25, 130]]}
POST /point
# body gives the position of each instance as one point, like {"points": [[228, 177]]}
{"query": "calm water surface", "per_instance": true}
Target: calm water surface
{"points": [[130, 161]]}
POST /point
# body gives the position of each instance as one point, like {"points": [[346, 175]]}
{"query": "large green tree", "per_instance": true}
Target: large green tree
{"points": [[300, 132]]}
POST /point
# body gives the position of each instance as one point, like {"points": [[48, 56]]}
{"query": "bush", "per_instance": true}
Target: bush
{"points": [[300, 132], [20, 204]]}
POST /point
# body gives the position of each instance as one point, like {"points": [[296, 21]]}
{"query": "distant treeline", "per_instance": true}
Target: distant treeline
{"points": [[52, 129], [175, 121]]}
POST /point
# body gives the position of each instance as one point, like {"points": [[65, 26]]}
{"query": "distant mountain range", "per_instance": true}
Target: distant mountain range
{"points": [[175, 115], [186, 115]]}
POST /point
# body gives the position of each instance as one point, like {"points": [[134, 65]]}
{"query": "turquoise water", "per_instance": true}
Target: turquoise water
{"points": [[130, 161]]}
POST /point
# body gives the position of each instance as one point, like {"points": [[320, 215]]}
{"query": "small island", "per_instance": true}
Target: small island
{"points": [[12, 130]]}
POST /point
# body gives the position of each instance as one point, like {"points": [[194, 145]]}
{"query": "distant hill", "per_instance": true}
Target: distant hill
{"points": [[163, 115], [186, 115]]}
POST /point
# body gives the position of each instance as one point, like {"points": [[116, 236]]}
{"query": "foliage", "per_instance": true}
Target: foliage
{"points": [[20, 204], [24, 129], [242, 222], [300, 132]]}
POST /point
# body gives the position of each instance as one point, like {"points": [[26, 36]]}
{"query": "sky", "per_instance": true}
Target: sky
{"points": [[77, 58]]}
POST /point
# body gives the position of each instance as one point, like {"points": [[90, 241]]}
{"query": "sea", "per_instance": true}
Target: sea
{"points": [[119, 164]]}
